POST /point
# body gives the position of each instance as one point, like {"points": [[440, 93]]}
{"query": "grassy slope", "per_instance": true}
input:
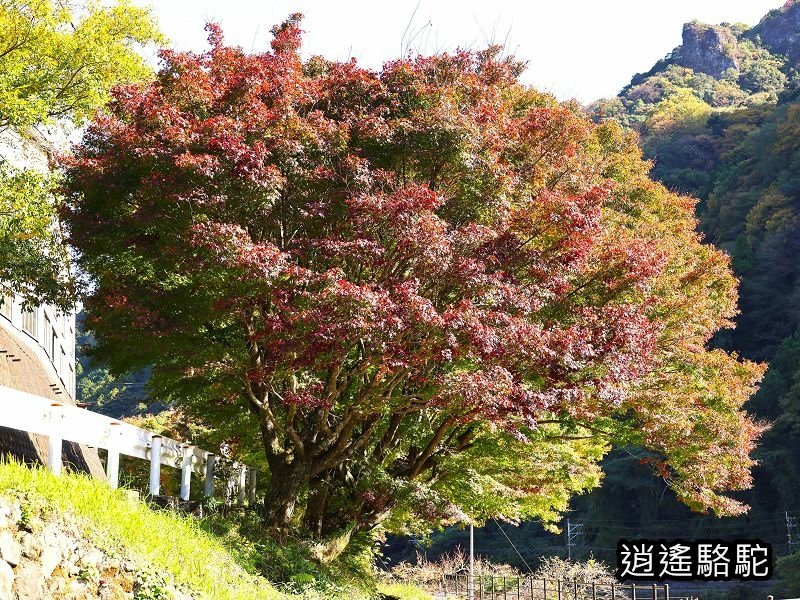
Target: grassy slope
{"points": [[168, 542], [216, 567]]}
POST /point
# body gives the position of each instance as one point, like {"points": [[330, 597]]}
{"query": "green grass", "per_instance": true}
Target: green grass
{"points": [[216, 558], [404, 591], [169, 542]]}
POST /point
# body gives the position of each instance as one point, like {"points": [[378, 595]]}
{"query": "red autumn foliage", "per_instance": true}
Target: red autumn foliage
{"points": [[379, 265]]}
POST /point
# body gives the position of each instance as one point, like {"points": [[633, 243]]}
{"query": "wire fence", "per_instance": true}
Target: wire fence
{"points": [[493, 587]]}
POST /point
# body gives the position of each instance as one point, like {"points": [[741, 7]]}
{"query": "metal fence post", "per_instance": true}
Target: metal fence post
{"points": [[230, 481], [112, 458], [242, 485], [112, 469], [666, 591], [252, 475], [54, 439], [155, 465], [186, 472], [633, 590], [210, 464]]}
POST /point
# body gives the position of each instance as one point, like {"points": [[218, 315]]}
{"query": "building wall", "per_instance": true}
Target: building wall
{"points": [[37, 347], [48, 333], [25, 366]]}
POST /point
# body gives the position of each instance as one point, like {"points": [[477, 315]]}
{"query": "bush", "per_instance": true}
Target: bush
{"points": [[591, 571], [788, 574]]}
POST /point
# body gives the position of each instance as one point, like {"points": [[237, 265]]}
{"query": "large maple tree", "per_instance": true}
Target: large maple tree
{"points": [[434, 292]]}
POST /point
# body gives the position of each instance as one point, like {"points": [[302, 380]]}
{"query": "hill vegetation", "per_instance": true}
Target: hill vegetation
{"points": [[394, 288], [739, 154]]}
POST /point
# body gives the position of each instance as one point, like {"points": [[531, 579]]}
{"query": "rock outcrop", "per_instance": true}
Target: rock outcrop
{"points": [[52, 558], [780, 31], [709, 49]]}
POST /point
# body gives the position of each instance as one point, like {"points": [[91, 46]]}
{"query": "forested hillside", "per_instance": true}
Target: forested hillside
{"points": [[115, 396]]}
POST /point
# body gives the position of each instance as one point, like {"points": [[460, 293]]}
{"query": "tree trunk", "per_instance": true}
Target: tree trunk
{"points": [[314, 516], [280, 501]]}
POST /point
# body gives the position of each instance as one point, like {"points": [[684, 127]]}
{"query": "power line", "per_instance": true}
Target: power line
{"points": [[761, 523], [512, 545], [766, 526], [777, 516]]}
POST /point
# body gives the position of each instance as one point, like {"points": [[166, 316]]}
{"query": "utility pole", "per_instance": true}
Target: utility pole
{"points": [[791, 532], [471, 586], [573, 531]]}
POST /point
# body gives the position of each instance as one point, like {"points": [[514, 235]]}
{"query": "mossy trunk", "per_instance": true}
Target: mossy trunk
{"points": [[280, 501]]}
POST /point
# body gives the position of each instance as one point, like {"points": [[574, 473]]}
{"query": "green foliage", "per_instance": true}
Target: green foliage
{"points": [[150, 585], [294, 565], [739, 156], [34, 258], [483, 480], [743, 257], [403, 591], [25, 516], [743, 163], [220, 557], [118, 396], [681, 111], [788, 571], [115, 396], [89, 574], [58, 62], [761, 72]]}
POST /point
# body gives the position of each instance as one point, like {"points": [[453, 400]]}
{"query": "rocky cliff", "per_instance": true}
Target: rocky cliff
{"points": [[709, 49], [779, 31], [750, 60]]}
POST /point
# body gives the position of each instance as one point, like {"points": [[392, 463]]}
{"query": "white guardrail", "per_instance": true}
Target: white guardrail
{"points": [[57, 421]]}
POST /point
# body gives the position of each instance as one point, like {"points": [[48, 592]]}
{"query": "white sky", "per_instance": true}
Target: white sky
{"points": [[584, 49]]}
